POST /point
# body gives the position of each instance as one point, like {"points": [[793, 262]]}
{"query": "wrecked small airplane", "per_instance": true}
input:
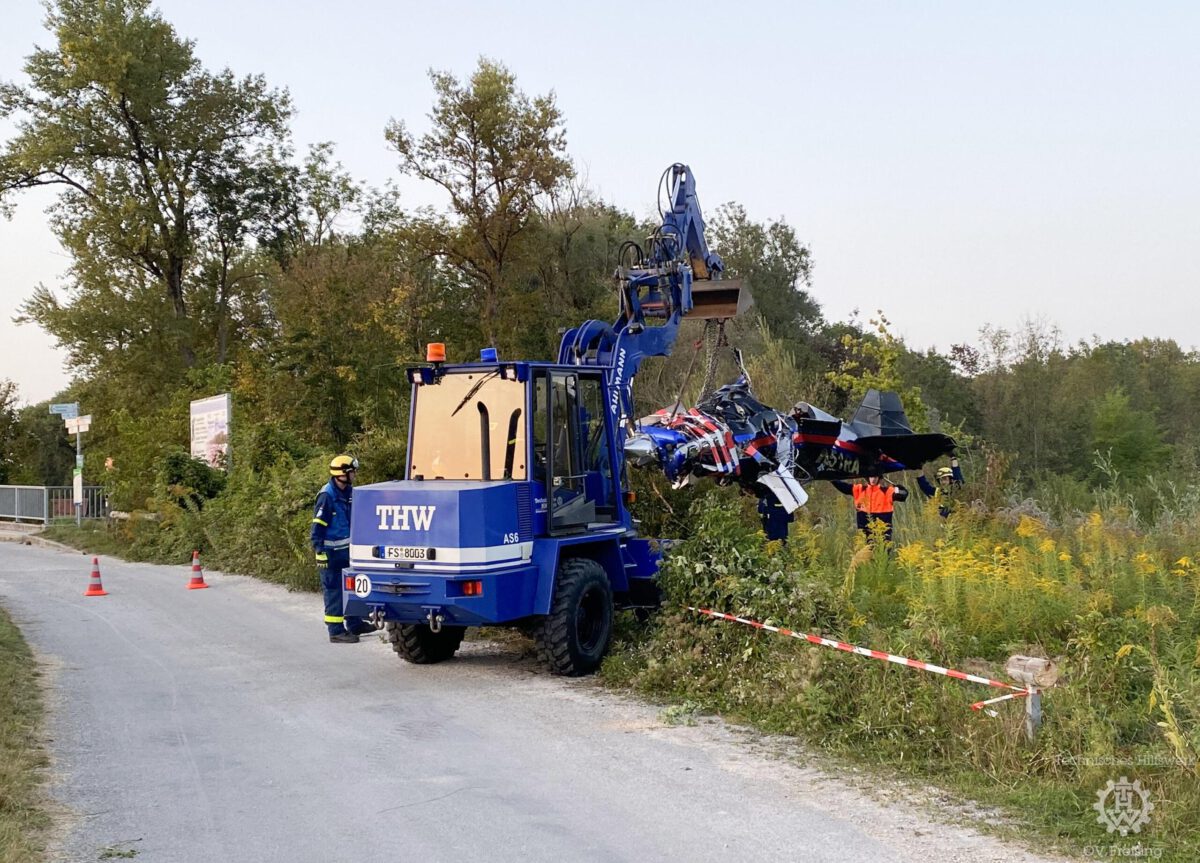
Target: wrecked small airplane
{"points": [[732, 437]]}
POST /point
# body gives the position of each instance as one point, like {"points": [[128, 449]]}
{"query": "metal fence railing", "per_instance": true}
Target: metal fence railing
{"points": [[46, 503]]}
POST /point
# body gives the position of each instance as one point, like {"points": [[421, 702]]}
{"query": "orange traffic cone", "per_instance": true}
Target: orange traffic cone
{"points": [[197, 581], [95, 588]]}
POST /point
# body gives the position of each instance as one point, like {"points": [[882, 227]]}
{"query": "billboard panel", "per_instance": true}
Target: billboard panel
{"points": [[210, 429]]}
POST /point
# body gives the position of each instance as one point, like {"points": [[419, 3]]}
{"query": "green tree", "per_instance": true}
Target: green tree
{"points": [[308, 201], [340, 313], [1026, 405], [120, 116], [566, 274], [872, 360], [1128, 438], [8, 427], [42, 454], [777, 267], [942, 388], [494, 152]]}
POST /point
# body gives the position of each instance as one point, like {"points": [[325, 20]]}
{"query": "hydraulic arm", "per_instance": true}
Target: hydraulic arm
{"points": [[673, 276]]}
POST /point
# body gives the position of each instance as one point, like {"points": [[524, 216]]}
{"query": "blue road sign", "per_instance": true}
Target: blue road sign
{"points": [[67, 410]]}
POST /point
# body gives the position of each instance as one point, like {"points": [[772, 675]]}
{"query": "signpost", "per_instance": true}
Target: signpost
{"points": [[76, 425], [66, 410]]}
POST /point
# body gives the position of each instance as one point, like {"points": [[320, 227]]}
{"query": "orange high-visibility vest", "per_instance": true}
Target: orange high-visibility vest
{"points": [[873, 499]]}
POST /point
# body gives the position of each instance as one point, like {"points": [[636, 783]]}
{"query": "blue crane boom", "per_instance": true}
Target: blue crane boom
{"points": [[675, 276]]}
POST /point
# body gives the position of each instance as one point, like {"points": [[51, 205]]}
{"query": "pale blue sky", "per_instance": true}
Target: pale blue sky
{"points": [[955, 164]]}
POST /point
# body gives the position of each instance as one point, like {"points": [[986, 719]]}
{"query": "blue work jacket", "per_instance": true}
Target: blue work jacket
{"points": [[331, 521]]}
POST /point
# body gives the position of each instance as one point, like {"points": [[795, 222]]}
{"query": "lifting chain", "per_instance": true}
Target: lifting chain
{"points": [[714, 340]]}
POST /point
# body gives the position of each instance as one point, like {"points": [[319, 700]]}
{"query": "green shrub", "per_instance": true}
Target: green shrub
{"points": [[187, 480]]}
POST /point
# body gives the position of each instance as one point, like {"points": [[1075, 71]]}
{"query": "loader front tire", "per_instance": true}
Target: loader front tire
{"points": [[574, 636], [420, 645]]}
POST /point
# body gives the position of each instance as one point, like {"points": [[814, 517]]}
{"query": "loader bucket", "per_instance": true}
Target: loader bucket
{"points": [[718, 300]]}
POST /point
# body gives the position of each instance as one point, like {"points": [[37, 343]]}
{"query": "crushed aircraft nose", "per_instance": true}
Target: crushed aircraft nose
{"points": [[641, 451]]}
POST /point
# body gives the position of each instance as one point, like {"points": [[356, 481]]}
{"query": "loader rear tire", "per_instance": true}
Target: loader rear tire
{"points": [[574, 636], [420, 645]]}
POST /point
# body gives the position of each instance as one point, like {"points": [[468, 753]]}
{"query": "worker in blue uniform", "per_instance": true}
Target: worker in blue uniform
{"points": [[775, 518], [949, 481], [331, 541]]}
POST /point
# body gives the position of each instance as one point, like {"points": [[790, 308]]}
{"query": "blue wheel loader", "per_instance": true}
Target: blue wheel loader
{"points": [[513, 509]]}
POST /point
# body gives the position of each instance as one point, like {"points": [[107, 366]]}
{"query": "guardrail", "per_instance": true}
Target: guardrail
{"points": [[47, 503]]}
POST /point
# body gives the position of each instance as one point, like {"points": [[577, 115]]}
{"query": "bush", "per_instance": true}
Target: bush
{"points": [[187, 480], [1118, 605]]}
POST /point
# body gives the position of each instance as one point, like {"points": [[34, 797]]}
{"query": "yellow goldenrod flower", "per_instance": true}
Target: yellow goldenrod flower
{"points": [[1030, 527], [911, 554]]}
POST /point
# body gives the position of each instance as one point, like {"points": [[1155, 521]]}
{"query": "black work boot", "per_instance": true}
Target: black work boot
{"points": [[344, 638]]}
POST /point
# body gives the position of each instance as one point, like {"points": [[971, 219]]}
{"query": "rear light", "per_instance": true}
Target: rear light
{"points": [[468, 588], [349, 582]]}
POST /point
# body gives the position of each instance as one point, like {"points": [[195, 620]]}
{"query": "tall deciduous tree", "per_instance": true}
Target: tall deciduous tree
{"points": [[495, 152], [8, 426], [40, 452], [121, 117], [1128, 438], [776, 265], [872, 360]]}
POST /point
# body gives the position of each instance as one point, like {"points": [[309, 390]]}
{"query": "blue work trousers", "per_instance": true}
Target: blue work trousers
{"points": [[331, 583]]}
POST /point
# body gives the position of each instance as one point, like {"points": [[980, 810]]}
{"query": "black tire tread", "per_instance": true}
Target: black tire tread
{"points": [[418, 644], [552, 635]]}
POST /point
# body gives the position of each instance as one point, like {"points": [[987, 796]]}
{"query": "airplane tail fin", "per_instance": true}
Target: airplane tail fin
{"points": [[881, 414]]}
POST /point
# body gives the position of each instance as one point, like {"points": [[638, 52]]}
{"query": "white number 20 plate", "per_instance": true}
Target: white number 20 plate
{"points": [[362, 585]]}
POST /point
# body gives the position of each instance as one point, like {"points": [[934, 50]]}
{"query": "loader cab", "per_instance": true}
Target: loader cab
{"points": [[520, 422], [573, 449]]}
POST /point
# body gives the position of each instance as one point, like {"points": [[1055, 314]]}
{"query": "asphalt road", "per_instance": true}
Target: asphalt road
{"points": [[220, 725]]}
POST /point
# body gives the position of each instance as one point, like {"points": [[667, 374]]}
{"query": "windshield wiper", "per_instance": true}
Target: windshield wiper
{"points": [[474, 390]]}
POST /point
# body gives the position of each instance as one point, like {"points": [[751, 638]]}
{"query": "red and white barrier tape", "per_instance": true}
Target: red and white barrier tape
{"points": [[979, 705], [1016, 691]]}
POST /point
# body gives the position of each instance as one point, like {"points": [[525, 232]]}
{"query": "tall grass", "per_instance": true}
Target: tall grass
{"points": [[23, 821], [1116, 602]]}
